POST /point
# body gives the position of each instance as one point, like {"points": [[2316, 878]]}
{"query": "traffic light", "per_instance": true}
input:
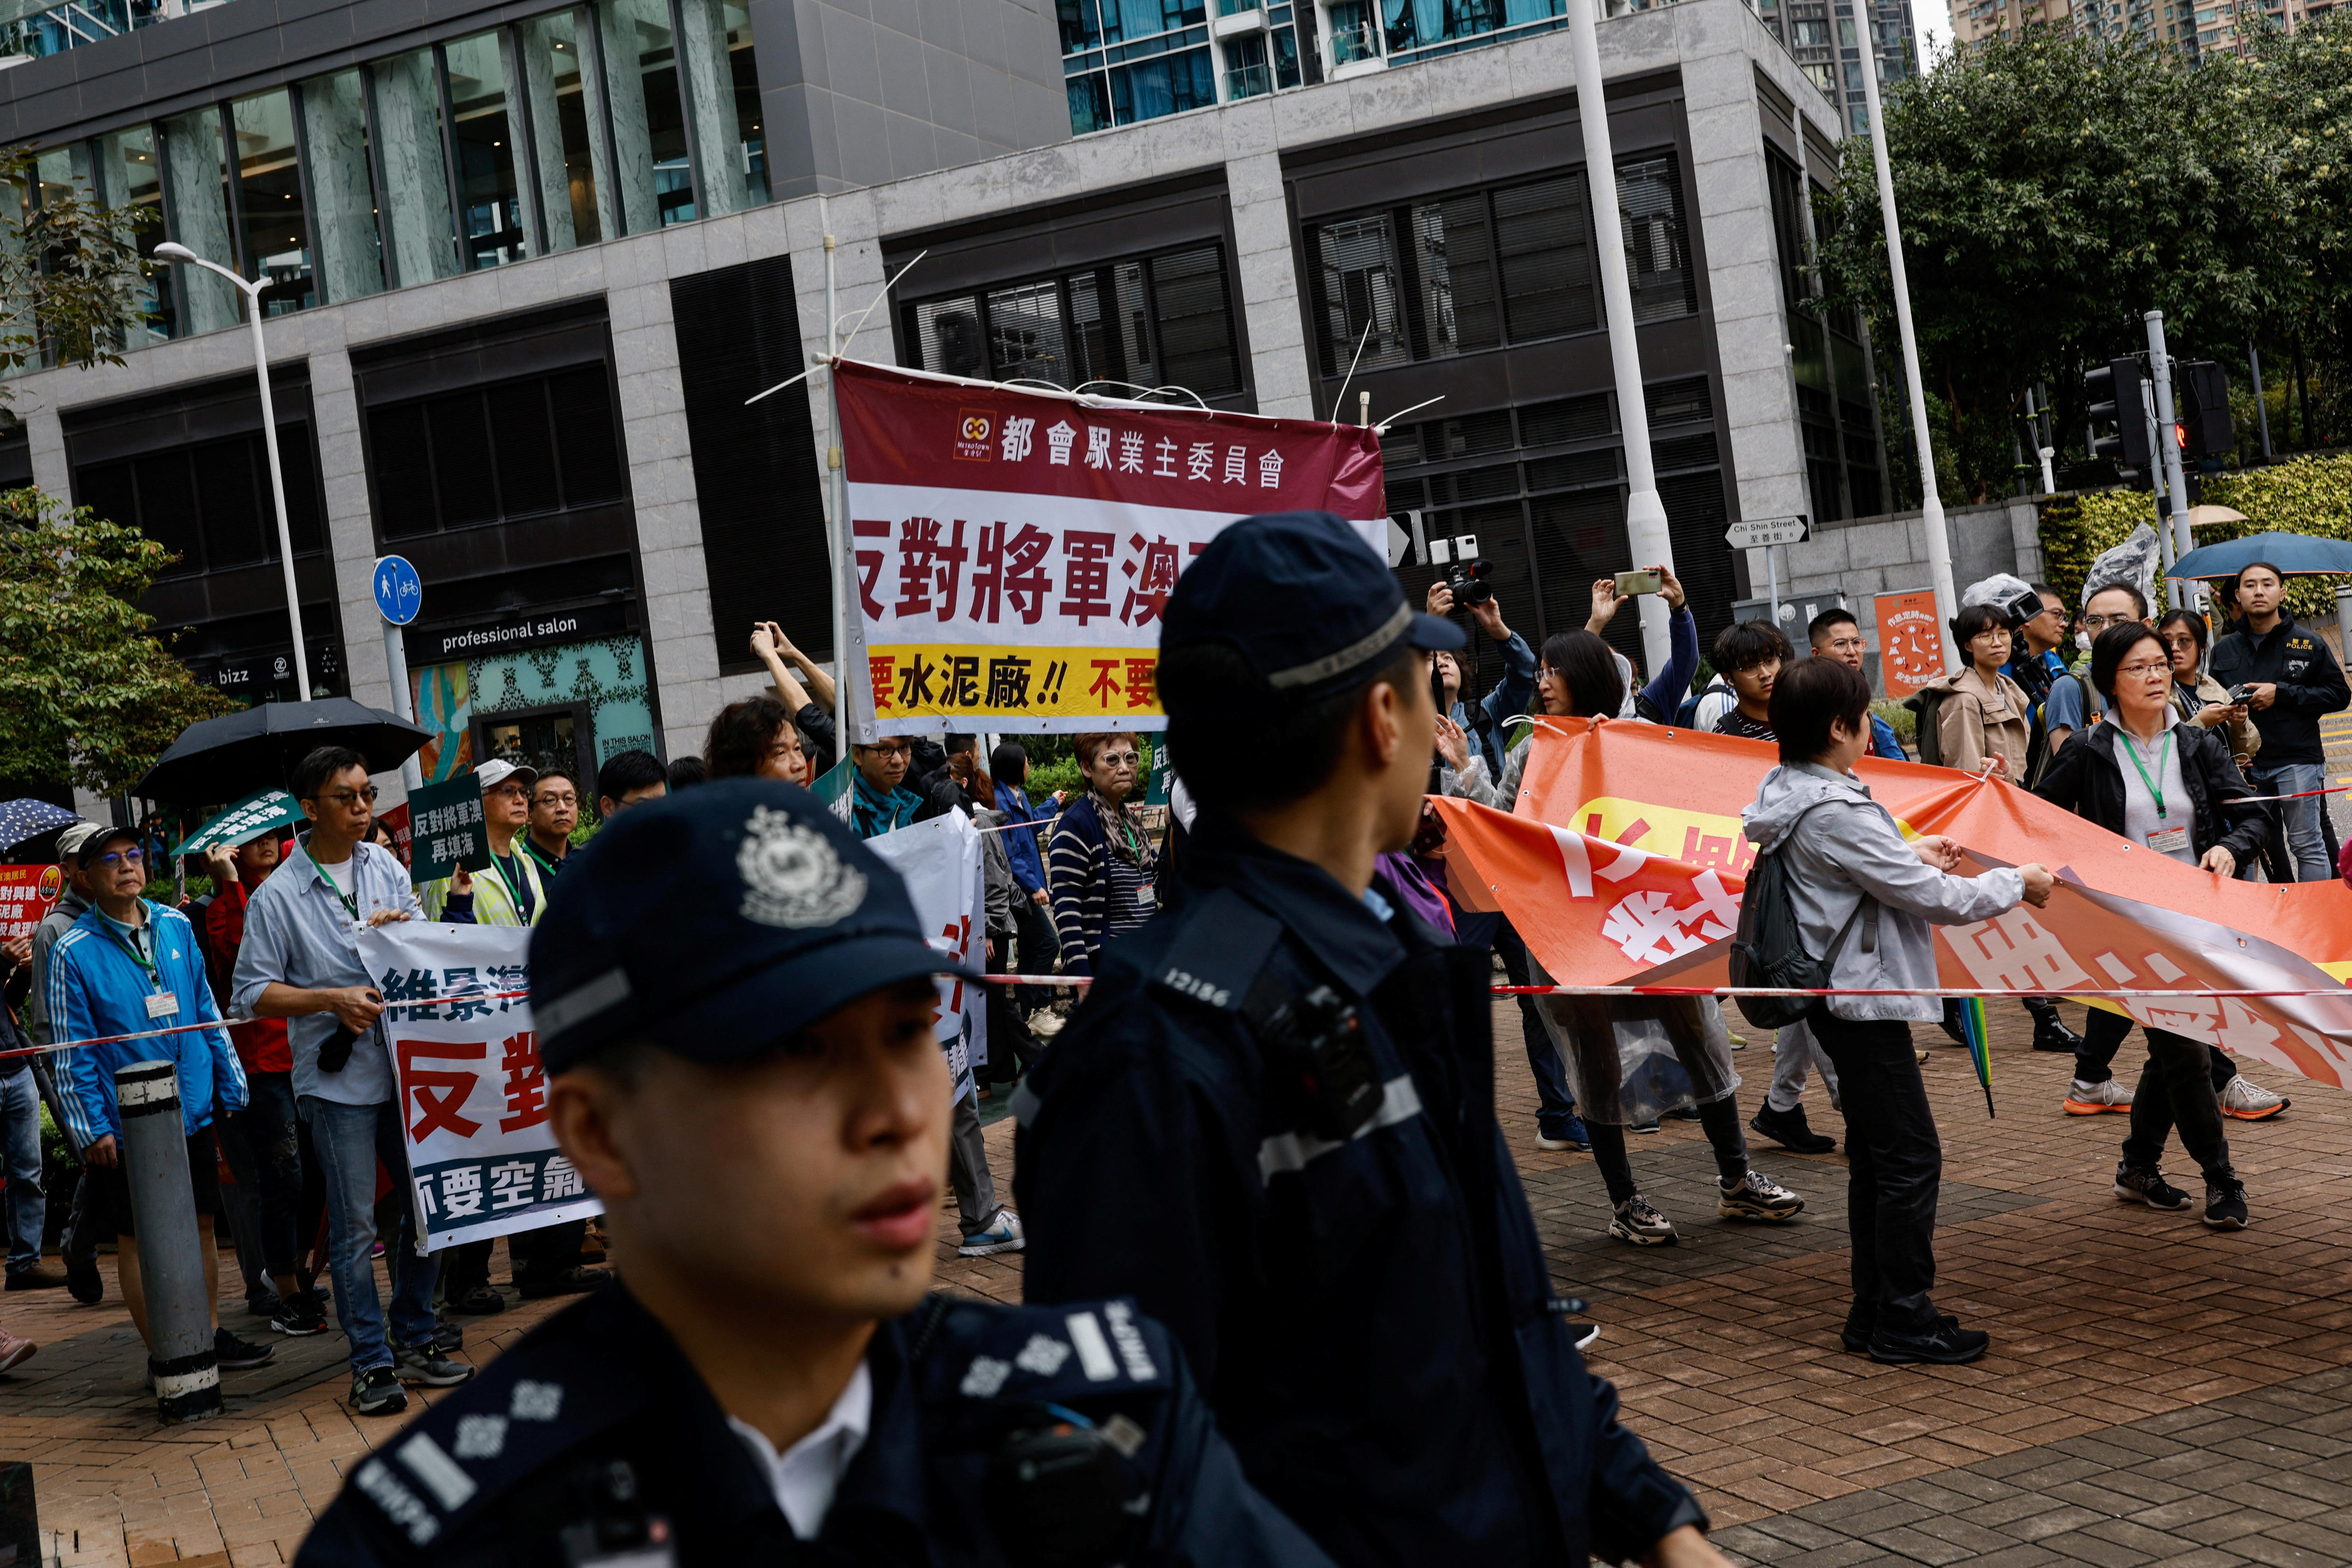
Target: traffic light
{"points": [[2116, 396], [2205, 410]]}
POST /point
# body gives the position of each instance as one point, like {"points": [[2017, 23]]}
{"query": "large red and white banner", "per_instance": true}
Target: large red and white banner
{"points": [[1011, 550], [26, 894]]}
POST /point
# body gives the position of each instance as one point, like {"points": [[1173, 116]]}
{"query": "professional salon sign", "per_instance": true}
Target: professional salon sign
{"points": [[1011, 550]]}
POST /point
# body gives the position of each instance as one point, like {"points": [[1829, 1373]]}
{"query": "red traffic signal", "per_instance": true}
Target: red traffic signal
{"points": [[2180, 434]]}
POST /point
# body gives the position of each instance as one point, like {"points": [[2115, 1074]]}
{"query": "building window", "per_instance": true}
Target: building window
{"points": [[274, 229], [1124, 60], [1477, 269], [349, 250], [492, 453], [210, 504], [1163, 321]]}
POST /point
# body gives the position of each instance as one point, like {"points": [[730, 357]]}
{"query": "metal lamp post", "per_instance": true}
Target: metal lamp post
{"points": [[175, 252]]}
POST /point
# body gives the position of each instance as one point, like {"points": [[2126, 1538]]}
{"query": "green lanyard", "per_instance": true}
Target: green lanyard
{"points": [[348, 900], [2164, 758], [134, 955]]}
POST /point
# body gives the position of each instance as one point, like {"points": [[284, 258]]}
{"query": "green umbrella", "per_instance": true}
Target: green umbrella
{"points": [[249, 819]]}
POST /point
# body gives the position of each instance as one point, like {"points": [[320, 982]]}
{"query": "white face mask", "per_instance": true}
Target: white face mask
{"points": [[2083, 641]]}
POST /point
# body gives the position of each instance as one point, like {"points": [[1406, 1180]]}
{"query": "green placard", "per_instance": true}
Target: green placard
{"points": [[446, 829], [837, 790], [1162, 773], [249, 819]]}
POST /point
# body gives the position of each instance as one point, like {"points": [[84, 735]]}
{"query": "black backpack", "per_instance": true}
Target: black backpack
{"points": [[1927, 708], [1768, 948]]}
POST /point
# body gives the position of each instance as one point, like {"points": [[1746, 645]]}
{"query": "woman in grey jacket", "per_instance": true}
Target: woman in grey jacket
{"points": [[1865, 897]]}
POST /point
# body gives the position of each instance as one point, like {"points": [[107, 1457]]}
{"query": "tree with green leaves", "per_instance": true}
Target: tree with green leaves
{"points": [[69, 273], [2051, 190], [84, 681]]}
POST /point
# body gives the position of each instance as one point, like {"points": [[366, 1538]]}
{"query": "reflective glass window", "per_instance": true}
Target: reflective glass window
{"points": [[656, 178], [493, 226], [197, 191], [414, 176], [566, 130], [346, 249], [730, 153], [131, 179], [277, 239]]}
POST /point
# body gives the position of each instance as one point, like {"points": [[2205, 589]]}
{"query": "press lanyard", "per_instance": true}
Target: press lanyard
{"points": [[2155, 791], [513, 885], [348, 900], [130, 950]]}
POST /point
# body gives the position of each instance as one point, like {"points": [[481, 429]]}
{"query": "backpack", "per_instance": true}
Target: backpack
{"points": [[1768, 948], [1928, 708], [1686, 715]]}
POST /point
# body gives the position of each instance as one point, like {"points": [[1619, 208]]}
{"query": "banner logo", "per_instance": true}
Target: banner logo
{"points": [[971, 435]]}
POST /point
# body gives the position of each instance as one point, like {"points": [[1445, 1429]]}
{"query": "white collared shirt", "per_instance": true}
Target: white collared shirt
{"points": [[803, 1476]]}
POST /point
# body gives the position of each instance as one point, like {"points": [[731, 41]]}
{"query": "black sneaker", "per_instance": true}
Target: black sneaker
{"points": [[448, 1337], [1947, 1344], [1857, 1334], [2225, 1204], [83, 1279], [2148, 1186], [425, 1363], [264, 1304], [2051, 1034], [1790, 1130], [231, 1354], [300, 1318], [377, 1392], [480, 1301], [572, 1281]]}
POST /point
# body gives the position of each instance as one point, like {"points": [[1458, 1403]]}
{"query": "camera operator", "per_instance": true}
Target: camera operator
{"points": [[1486, 720]]}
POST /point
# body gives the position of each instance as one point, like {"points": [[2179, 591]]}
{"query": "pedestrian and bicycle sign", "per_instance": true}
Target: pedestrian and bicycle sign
{"points": [[399, 591]]}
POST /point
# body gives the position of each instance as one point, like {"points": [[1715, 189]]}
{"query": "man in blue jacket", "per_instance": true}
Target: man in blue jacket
{"points": [[1272, 1120], [127, 967]]}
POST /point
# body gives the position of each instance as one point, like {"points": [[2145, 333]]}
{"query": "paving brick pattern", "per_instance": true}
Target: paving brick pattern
{"points": [[2155, 1393]]}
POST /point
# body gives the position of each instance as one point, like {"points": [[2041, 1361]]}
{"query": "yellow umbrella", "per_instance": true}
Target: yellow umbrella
{"points": [[2201, 516]]}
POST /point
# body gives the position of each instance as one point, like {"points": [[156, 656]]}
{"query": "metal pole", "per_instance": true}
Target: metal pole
{"points": [[1931, 504], [1646, 515], [1773, 568], [2261, 409], [395, 658], [278, 493], [154, 1152], [2160, 372], [837, 489]]}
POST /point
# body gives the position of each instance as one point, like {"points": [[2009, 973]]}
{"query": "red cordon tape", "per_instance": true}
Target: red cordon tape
{"points": [[2298, 795], [1497, 990]]}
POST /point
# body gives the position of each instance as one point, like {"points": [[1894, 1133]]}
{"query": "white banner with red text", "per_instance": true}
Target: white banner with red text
{"points": [[940, 860], [1011, 550], [473, 1095]]}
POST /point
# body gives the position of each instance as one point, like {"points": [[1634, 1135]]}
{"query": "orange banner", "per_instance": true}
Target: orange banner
{"points": [[1651, 816]]}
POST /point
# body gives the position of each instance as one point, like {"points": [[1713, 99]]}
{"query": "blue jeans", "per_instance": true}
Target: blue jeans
{"points": [[2304, 843], [28, 1209], [349, 1140]]}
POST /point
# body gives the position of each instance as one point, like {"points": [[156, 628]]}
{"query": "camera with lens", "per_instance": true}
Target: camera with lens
{"points": [[1468, 581], [2019, 608]]}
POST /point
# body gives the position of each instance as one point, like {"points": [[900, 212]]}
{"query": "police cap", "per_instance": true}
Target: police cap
{"points": [[718, 923], [1304, 599]]}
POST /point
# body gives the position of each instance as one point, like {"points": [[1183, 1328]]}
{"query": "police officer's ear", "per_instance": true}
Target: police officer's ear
{"points": [[583, 1103], [1392, 706]]}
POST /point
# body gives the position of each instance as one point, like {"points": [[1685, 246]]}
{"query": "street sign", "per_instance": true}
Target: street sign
{"points": [[1760, 532], [399, 591]]}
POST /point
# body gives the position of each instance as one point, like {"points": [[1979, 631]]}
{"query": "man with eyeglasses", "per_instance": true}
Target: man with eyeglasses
{"points": [[129, 966], [80, 1248], [300, 962], [554, 812], [2072, 702], [2295, 681], [881, 799]]}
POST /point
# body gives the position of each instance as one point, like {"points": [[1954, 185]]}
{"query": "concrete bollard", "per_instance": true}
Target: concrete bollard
{"points": [[171, 1253]]}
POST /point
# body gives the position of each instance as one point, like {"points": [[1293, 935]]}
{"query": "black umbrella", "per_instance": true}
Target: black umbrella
{"points": [[228, 757]]}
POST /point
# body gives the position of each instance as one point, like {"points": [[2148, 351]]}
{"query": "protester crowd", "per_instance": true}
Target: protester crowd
{"points": [[1301, 907]]}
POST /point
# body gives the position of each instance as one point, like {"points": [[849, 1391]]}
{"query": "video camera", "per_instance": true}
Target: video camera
{"points": [[1468, 581], [2018, 609]]}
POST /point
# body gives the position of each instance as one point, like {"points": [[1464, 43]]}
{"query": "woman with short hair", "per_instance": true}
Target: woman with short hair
{"points": [[1099, 860]]}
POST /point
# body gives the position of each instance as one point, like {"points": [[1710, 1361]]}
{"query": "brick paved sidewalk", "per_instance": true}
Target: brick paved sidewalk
{"points": [[2155, 1393]]}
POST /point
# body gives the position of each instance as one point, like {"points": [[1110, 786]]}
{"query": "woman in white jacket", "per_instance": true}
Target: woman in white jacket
{"points": [[1853, 872]]}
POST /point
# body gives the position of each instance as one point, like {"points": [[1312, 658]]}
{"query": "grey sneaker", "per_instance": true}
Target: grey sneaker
{"points": [[1638, 1221], [377, 1392], [1758, 1196], [426, 1364]]}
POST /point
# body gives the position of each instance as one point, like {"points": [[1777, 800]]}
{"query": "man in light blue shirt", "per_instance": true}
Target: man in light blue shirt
{"points": [[300, 962]]}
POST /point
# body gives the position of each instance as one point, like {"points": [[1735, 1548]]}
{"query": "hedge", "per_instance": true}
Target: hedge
{"points": [[2306, 496]]}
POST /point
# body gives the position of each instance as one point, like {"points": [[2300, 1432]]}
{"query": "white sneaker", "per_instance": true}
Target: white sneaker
{"points": [[1758, 1196], [2249, 1102], [2090, 1099], [1638, 1221], [1002, 1235], [1046, 1024]]}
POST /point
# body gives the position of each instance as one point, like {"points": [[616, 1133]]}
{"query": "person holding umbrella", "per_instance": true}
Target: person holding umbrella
{"points": [[2292, 680]]}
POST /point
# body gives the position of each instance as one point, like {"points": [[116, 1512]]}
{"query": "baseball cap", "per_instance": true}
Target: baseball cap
{"points": [[97, 838], [72, 841], [718, 923], [498, 770], [1304, 599]]}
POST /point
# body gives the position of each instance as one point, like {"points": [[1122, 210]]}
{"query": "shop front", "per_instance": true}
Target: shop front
{"points": [[561, 689]]}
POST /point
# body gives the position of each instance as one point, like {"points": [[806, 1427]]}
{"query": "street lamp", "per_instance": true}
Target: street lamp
{"points": [[175, 252]]}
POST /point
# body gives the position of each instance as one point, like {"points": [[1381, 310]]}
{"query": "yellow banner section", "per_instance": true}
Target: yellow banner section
{"points": [[1703, 839], [943, 680]]}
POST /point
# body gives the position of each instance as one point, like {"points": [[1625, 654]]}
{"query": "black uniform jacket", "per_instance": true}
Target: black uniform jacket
{"points": [[1372, 1318], [595, 1440]]}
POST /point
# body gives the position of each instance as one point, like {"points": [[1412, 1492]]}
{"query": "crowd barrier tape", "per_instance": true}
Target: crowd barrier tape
{"points": [[2072, 994]]}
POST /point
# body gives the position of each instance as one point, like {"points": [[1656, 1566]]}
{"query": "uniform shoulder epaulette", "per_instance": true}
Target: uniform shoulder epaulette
{"points": [[481, 1440], [1046, 1355], [1215, 956]]}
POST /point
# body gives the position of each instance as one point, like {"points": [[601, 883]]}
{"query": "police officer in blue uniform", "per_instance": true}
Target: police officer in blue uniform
{"points": [[736, 1008], [1271, 1120]]}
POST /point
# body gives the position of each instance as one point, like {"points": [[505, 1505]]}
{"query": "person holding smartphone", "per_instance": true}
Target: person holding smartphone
{"points": [[2171, 788]]}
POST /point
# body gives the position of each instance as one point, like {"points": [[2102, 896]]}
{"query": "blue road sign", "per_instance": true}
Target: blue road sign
{"points": [[399, 591]]}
